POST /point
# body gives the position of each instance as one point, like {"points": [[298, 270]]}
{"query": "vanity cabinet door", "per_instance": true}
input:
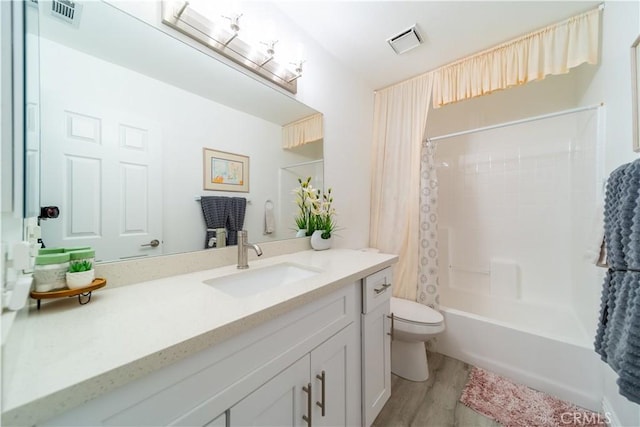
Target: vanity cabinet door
{"points": [[334, 367], [376, 361], [279, 402]]}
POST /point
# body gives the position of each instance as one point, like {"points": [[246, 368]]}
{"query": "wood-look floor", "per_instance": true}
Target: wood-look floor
{"points": [[433, 403]]}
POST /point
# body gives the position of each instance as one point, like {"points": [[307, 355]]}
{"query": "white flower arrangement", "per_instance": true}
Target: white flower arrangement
{"points": [[315, 209]]}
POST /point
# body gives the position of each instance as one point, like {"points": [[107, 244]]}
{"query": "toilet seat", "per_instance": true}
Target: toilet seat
{"points": [[413, 312], [414, 321]]}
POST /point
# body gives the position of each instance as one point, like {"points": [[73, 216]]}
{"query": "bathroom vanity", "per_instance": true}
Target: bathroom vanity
{"points": [[283, 347]]}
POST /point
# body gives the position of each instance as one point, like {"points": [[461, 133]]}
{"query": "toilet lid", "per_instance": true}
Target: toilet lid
{"points": [[412, 311]]}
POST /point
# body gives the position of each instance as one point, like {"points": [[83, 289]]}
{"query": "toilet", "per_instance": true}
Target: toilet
{"points": [[413, 325]]}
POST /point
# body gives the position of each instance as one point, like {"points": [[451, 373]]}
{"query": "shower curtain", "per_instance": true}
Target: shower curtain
{"points": [[428, 250], [400, 116]]}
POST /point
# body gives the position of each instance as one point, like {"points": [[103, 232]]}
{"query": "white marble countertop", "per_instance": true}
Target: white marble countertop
{"points": [[72, 353]]}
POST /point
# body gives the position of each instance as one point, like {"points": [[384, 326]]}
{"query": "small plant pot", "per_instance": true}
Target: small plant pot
{"points": [[318, 243], [81, 279], [301, 232]]}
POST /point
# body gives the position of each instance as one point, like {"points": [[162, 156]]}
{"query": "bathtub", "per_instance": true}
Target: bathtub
{"points": [[543, 347]]}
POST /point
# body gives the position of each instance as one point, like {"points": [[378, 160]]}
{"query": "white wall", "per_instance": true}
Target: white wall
{"points": [[611, 84], [344, 99], [186, 123]]}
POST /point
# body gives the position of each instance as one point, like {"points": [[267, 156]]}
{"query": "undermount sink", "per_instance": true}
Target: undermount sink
{"points": [[255, 281]]}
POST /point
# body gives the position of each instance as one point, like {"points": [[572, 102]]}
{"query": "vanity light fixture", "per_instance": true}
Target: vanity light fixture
{"points": [[226, 40], [271, 51], [234, 24], [298, 70], [181, 10]]}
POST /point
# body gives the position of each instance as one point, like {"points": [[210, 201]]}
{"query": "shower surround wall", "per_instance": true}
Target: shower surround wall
{"points": [[523, 196], [520, 198]]}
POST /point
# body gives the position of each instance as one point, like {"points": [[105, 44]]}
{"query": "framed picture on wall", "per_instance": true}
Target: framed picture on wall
{"points": [[635, 92], [224, 171]]}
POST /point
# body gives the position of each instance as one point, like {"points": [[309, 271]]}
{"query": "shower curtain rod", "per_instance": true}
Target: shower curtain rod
{"points": [[516, 122]]}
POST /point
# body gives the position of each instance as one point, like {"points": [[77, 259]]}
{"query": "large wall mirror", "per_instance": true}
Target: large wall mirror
{"points": [[125, 113]]}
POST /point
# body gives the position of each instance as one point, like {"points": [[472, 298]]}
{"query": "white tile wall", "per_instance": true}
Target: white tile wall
{"points": [[521, 193]]}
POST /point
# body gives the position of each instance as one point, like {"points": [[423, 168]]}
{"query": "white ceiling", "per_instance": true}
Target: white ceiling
{"points": [[355, 32]]}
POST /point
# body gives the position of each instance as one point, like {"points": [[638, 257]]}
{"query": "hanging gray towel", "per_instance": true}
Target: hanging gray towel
{"points": [[613, 202], [629, 206], [215, 210], [617, 338], [235, 220]]}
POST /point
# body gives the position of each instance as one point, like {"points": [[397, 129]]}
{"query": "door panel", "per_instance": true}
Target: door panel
{"points": [[279, 402], [92, 158], [337, 358], [376, 362]]}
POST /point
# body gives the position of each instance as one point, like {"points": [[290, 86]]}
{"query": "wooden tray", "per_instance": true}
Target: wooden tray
{"points": [[80, 292]]}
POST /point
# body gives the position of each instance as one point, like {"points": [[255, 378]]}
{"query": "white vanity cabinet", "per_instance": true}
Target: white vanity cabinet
{"points": [[254, 378], [376, 344], [317, 390]]}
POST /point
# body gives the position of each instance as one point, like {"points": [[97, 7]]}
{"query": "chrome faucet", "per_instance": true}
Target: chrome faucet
{"points": [[243, 249]]}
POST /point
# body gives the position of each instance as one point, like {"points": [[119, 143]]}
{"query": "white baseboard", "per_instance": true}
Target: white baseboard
{"points": [[610, 414]]}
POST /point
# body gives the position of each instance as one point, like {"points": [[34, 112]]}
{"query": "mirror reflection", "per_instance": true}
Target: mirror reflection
{"points": [[126, 113]]}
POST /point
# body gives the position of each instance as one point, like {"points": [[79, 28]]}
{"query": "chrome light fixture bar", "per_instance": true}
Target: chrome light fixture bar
{"points": [[227, 43]]}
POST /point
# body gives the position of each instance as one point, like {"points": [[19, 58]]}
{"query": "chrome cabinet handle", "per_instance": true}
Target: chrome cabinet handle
{"points": [[322, 378], [307, 418], [380, 290], [154, 243], [391, 316]]}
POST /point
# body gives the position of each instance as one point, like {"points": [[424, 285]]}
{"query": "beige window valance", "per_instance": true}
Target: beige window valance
{"points": [[303, 131], [552, 50]]}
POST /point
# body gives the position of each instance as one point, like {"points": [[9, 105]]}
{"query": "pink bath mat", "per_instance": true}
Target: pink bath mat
{"points": [[516, 405]]}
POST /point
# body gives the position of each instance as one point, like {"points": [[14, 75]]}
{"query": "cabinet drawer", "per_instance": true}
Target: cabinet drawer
{"points": [[376, 289]]}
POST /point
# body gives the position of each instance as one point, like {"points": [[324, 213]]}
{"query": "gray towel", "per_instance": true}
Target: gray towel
{"points": [[617, 338], [235, 220], [628, 207], [215, 210], [613, 202]]}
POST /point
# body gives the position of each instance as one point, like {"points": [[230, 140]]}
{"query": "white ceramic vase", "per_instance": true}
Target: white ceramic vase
{"points": [[318, 243], [80, 279], [301, 233]]}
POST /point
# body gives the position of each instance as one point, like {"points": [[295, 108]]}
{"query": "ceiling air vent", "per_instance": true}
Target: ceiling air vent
{"points": [[405, 41], [66, 10]]}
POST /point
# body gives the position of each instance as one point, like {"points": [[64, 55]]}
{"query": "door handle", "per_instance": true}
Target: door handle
{"points": [[391, 316], [307, 418], [154, 243], [322, 378]]}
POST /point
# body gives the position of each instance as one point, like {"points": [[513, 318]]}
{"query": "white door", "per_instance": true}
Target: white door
{"points": [[279, 402], [376, 362], [102, 167], [334, 367]]}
